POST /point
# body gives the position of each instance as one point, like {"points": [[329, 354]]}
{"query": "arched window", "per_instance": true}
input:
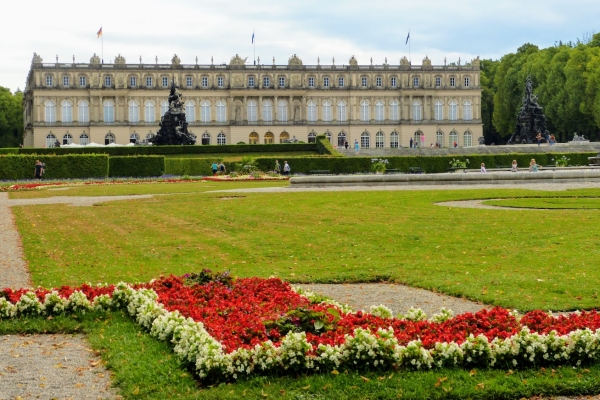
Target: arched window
{"points": [[50, 115], [109, 112], [312, 137], [453, 110], [326, 105], [438, 110], [205, 139], [453, 138], [221, 138], [341, 139], [269, 138], [467, 111], [379, 140], [134, 138], [67, 139], [205, 111], [109, 138], [467, 139], [84, 112], [282, 114], [149, 112], [365, 115], [328, 136], [439, 138], [221, 111], [267, 111], [365, 140], [394, 140], [190, 111], [416, 111], [134, 112], [394, 110], [251, 111], [50, 141], [253, 138], [311, 111], [341, 111], [419, 139], [284, 137], [379, 116], [84, 139], [149, 136], [67, 111], [164, 107]]}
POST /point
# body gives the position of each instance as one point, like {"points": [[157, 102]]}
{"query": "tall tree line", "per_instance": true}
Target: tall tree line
{"points": [[566, 79], [11, 118]]}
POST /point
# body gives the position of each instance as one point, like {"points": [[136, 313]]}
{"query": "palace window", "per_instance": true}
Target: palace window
{"points": [[364, 81], [379, 140], [340, 82], [365, 140], [467, 81], [84, 112], [50, 115], [251, 111], [204, 81], [312, 137], [379, 115], [281, 82], [50, 140], [65, 81], [416, 111], [341, 111], [107, 81], [148, 81], [453, 110], [267, 111], [394, 110], [253, 138], [132, 81], [416, 81], [311, 114], [439, 138], [220, 81], [269, 138], [452, 82], [393, 82], [266, 82], [438, 110], [67, 111], [165, 81], [365, 114], [221, 138], [149, 111], [164, 107], [453, 138], [189, 82], [82, 81], [84, 139], [109, 112], [282, 111], [325, 82], [378, 81], [438, 81], [328, 136], [251, 81], [311, 82], [109, 138], [49, 80], [190, 111], [205, 111], [205, 139], [221, 111], [133, 138], [394, 140], [341, 139], [67, 139], [327, 111], [468, 139], [467, 111]]}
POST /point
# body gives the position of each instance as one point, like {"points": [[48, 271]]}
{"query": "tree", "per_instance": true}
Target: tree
{"points": [[11, 118], [488, 71]]}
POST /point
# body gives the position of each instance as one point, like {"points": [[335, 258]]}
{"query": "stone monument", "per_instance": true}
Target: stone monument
{"points": [[173, 126], [531, 119]]}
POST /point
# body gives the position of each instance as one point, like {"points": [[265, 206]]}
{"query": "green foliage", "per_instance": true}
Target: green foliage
{"points": [[325, 147], [136, 166], [305, 320], [13, 167], [192, 166], [207, 276], [11, 118], [379, 164]]}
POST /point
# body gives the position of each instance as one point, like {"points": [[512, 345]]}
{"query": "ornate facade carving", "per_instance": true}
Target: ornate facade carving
{"points": [[294, 61], [95, 60], [36, 59], [237, 60], [120, 60], [426, 62], [404, 61], [353, 62], [175, 61]]}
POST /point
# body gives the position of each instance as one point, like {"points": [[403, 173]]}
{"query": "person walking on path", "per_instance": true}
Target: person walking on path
{"points": [[356, 146], [286, 168], [39, 170], [539, 138], [214, 167], [277, 169], [346, 144], [552, 140], [222, 168]]}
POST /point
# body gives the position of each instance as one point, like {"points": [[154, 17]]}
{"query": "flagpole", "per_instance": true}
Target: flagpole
{"points": [[102, 41], [254, 43], [409, 58]]}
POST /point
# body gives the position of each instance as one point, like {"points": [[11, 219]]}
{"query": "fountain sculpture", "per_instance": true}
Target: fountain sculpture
{"points": [[531, 119], [173, 126]]}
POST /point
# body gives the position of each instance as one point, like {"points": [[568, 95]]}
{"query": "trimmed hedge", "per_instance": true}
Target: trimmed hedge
{"points": [[9, 150], [136, 166], [165, 150], [73, 166], [325, 147], [192, 166]]}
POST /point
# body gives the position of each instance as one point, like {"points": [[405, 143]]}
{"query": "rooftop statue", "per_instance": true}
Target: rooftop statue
{"points": [[531, 119], [95, 59], [173, 125], [175, 60], [237, 60], [353, 61], [119, 60], [294, 61], [37, 59], [404, 61]]}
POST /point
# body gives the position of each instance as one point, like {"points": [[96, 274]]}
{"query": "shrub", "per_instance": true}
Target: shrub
{"points": [[73, 166], [136, 166], [325, 147], [192, 166]]}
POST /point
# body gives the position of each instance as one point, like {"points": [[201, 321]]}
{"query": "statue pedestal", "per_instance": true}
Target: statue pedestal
{"points": [[578, 142]]}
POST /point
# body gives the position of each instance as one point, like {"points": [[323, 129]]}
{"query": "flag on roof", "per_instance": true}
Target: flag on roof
{"points": [[100, 32]]}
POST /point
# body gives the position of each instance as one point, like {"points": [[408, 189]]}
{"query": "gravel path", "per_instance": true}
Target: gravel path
{"points": [[13, 268], [479, 204]]}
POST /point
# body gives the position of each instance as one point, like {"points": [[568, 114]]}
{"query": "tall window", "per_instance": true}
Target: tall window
{"points": [[49, 80], [220, 82], [205, 139], [134, 112], [394, 140], [379, 116], [282, 111], [65, 81], [393, 82], [340, 82], [148, 81], [326, 82], [341, 138], [50, 140], [438, 81], [190, 111], [394, 110], [132, 81], [328, 136], [311, 82], [269, 138], [341, 111], [364, 111], [439, 138], [164, 107], [149, 111], [189, 81], [438, 110], [311, 112], [365, 140], [67, 139], [467, 139], [221, 111], [416, 81], [109, 138], [379, 140], [452, 82], [416, 111], [363, 81], [267, 111], [467, 111], [133, 138], [327, 111], [67, 111], [453, 110], [379, 81], [253, 138], [266, 81], [312, 137], [82, 81], [204, 81], [84, 112], [453, 138], [467, 81], [107, 81], [281, 82], [251, 110], [165, 81], [221, 138], [84, 139], [109, 111], [205, 111], [251, 81]]}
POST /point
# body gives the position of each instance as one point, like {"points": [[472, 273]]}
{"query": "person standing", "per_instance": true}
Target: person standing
{"points": [[411, 143], [356, 146], [222, 168], [277, 167], [286, 168], [539, 138], [39, 170], [483, 167], [513, 167], [533, 167], [215, 168], [346, 144], [552, 140]]}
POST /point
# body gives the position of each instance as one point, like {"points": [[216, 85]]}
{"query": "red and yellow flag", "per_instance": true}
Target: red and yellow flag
{"points": [[100, 32]]}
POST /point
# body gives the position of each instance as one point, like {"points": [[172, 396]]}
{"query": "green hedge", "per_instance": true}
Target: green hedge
{"points": [[192, 166], [9, 150], [324, 146], [13, 167], [166, 150], [136, 166]]}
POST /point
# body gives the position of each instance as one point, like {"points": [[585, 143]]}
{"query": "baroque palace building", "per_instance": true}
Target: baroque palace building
{"points": [[380, 106]]}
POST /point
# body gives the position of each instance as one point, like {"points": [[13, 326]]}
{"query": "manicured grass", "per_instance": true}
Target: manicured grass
{"points": [[237, 157], [517, 259], [146, 368], [592, 203]]}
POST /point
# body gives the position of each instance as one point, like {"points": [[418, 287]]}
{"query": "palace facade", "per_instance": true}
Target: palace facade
{"points": [[380, 106]]}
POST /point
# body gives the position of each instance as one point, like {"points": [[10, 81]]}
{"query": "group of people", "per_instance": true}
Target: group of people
{"points": [[286, 168], [549, 138], [533, 166], [40, 168], [218, 168]]}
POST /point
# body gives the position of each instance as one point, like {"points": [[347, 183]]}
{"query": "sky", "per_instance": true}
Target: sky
{"points": [[312, 29]]}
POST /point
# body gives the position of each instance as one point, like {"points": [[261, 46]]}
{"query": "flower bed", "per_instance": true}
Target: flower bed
{"points": [[231, 328]]}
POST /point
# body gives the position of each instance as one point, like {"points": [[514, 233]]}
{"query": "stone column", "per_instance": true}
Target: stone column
{"points": [[245, 109], [290, 109], [259, 109], [410, 114], [275, 110]]}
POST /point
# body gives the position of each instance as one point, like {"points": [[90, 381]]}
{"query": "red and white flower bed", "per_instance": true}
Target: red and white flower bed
{"points": [[249, 328]]}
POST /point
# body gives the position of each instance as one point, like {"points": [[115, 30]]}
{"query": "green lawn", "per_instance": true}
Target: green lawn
{"points": [[237, 157], [573, 203], [514, 258]]}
